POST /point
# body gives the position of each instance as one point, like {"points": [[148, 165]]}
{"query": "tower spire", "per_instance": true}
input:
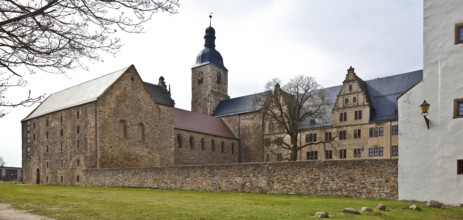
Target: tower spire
{"points": [[210, 19], [210, 34]]}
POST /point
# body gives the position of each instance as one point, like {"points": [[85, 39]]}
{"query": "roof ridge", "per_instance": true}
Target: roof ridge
{"points": [[395, 75], [61, 99], [94, 79]]}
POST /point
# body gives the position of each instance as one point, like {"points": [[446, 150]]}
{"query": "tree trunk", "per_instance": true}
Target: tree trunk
{"points": [[293, 155]]}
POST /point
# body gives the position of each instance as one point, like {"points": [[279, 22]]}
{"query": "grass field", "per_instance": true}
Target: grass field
{"points": [[71, 202]]}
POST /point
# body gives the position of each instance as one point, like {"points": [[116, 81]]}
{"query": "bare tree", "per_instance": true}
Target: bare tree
{"points": [[55, 35], [298, 101], [2, 162]]}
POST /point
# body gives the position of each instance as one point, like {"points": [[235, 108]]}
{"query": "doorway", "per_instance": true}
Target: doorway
{"points": [[37, 176]]}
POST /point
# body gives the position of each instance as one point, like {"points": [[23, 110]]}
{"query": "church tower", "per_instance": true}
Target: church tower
{"points": [[209, 77]]}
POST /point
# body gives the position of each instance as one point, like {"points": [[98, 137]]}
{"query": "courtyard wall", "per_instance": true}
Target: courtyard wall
{"points": [[353, 178]]}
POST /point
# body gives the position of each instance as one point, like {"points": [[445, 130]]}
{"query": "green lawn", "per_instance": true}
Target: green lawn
{"points": [[71, 202]]}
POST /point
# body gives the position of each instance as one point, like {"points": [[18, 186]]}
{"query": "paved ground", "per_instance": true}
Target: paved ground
{"points": [[8, 213]]}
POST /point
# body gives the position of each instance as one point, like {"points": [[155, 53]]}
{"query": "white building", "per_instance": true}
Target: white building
{"points": [[431, 160]]}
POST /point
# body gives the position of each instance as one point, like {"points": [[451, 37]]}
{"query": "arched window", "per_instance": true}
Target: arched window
{"points": [[179, 140], [346, 100], [78, 162], [141, 128], [192, 142], [219, 78], [350, 88], [123, 125], [203, 144], [354, 100]]}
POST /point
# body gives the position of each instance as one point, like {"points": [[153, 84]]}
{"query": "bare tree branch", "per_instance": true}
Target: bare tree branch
{"points": [[292, 105], [55, 35]]}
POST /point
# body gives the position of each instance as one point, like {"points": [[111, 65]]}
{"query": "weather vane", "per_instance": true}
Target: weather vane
{"points": [[210, 19]]}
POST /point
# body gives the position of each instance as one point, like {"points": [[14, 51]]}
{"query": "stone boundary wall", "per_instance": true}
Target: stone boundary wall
{"points": [[353, 178]]}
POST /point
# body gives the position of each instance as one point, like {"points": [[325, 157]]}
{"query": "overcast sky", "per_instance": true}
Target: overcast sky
{"points": [[259, 40]]}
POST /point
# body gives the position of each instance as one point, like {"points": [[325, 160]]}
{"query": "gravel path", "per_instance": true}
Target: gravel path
{"points": [[8, 213]]}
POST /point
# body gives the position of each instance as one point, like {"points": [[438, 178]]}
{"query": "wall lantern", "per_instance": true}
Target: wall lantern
{"points": [[424, 111]]}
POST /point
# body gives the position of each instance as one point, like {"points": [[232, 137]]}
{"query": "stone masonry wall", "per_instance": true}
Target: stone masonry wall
{"points": [[248, 128], [131, 130], [197, 148], [62, 144], [353, 178]]}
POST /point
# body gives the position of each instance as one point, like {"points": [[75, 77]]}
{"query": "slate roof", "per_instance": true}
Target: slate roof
{"points": [[90, 91], [209, 54], [382, 92], [235, 106], [201, 123], [331, 94], [159, 94], [77, 95]]}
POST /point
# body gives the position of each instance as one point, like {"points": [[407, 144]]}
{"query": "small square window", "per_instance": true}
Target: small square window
{"points": [[357, 153], [342, 154], [458, 108], [312, 155], [459, 33], [395, 130], [395, 151], [328, 154], [459, 167]]}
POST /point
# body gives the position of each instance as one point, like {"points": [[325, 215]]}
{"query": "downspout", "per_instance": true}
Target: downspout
{"points": [[300, 143], [263, 138], [390, 139], [96, 137], [239, 137]]}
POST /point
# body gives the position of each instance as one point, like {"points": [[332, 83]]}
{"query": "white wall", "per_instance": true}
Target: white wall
{"points": [[428, 158]]}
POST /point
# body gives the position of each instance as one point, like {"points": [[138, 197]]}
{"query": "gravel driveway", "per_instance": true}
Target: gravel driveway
{"points": [[8, 213]]}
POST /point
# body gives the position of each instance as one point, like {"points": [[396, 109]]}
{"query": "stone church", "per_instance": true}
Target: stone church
{"points": [[120, 121]]}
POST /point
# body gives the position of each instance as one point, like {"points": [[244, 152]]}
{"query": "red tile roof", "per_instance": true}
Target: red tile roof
{"points": [[191, 121]]}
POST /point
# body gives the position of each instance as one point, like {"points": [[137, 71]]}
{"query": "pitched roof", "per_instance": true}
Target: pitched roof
{"points": [[383, 93], [331, 94], [77, 95], [200, 123], [235, 106], [159, 94]]}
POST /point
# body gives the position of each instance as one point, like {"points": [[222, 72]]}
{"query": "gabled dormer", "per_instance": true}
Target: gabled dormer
{"points": [[352, 103]]}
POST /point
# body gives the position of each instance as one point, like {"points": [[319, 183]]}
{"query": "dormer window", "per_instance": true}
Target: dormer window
{"points": [[346, 101], [354, 100], [350, 88]]}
